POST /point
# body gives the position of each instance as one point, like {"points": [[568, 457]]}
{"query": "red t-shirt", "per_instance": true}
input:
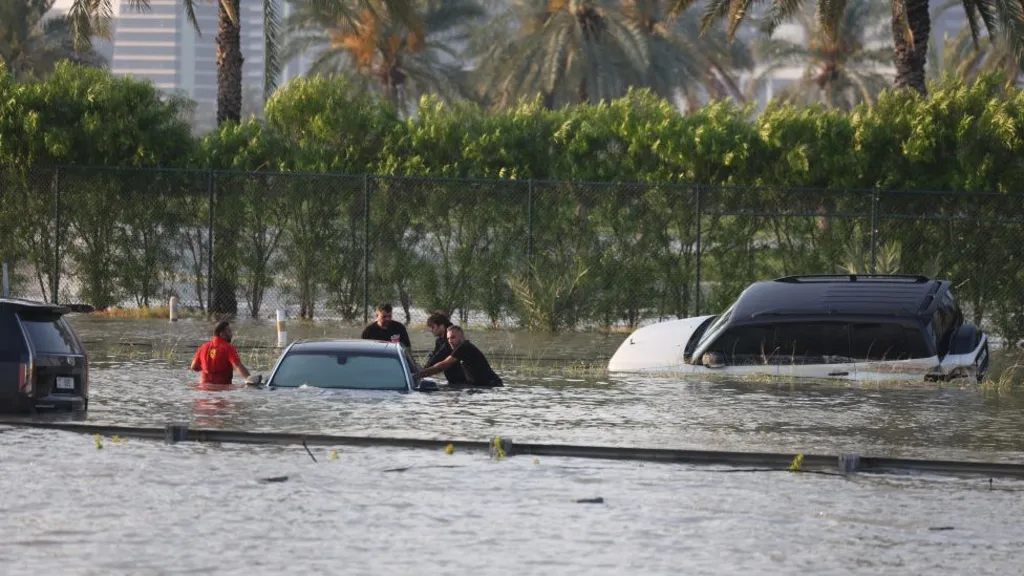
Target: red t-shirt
{"points": [[216, 359]]}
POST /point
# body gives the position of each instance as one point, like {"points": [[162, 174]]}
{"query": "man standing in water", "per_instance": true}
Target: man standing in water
{"points": [[218, 358], [438, 324], [474, 363], [385, 328]]}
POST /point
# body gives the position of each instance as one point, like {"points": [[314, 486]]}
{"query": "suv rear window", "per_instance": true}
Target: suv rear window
{"points": [[49, 334], [342, 370]]}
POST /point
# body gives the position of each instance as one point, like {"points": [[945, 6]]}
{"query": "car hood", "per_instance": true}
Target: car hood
{"points": [[655, 347]]}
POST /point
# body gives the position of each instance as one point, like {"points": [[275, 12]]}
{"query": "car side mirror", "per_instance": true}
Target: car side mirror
{"points": [[254, 380], [713, 360]]}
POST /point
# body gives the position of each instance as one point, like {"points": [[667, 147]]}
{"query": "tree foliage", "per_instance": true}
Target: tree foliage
{"points": [[581, 216]]}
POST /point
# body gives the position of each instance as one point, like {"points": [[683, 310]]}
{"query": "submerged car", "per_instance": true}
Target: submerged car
{"points": [[854, 327], [348, 365], [43, 364]]}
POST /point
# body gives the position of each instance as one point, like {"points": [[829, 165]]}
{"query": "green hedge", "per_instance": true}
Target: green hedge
{"points": [[578, 217]]}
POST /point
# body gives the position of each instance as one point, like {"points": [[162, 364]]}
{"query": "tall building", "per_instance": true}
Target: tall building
{"points": [[160, 45]]}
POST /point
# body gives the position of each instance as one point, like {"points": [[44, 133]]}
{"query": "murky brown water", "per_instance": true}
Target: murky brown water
{"points": [[151, 508]]}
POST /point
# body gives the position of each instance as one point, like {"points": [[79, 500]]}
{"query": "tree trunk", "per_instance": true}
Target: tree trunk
{"points": [[910, 61], [229, 109], [229, 65]]}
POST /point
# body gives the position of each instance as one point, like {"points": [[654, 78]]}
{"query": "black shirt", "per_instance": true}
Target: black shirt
{"points": [[478, 370], [375, 332], [442, 350]]}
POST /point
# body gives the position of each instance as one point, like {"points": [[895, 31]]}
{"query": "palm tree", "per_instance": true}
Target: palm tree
{"points": [[383, 55], [568, 51], [574, 51], [962, 57], [911, 26], [31, 44], [90, 18], [842, 68]]}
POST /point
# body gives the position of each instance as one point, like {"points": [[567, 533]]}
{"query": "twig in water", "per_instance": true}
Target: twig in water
{"points": [[307, 450]]}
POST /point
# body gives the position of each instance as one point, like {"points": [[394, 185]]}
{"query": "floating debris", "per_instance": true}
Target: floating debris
{"points": [[449, 449], [274, 479], [598, 500], [798, 464]]}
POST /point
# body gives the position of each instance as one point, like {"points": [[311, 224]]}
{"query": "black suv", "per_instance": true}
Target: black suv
{"points": [[42, 362]]}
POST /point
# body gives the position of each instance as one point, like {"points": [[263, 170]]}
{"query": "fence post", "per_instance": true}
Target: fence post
{"points": [[874, 228], [211, 198], [6, 282], [366, 248], [529, 223], [55, 288], [696, 294]]}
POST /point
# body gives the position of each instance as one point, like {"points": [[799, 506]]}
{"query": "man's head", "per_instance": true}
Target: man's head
{"points": [[383, 314], [438, 324], [223, 330], [455, 336]]}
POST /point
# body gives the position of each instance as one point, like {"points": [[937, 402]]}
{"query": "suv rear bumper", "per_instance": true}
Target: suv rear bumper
{"points": [[59, 402]]}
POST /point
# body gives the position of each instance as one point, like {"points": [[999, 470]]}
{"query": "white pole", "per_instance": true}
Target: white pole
{"points": [[174, 308], [282, 333], [7, 282]]}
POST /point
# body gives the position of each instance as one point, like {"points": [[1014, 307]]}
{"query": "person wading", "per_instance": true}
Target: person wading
{"points": [[438, 324], [474, 363], [218, 358], [385, 328]]}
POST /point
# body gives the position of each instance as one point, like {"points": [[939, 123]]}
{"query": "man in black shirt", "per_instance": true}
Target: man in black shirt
{"points": [[385, 328], [478, 370], [438, 324]]}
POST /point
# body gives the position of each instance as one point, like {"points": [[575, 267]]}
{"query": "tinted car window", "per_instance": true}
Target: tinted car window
{"points": [[49, 334], [787, 343], [814, 341], [746, 345], [888, 341], [340, 370]]}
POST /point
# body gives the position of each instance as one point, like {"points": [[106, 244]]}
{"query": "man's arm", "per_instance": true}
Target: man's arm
{"points": [[236, 363], [196, 365], [439, 367], [404, 337]]}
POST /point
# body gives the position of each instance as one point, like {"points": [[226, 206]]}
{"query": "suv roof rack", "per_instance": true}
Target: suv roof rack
{"points": [[911, 278]]}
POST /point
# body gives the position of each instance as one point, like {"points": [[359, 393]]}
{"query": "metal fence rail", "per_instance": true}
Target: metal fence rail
{"points": [[536, 254], [502, 447]]}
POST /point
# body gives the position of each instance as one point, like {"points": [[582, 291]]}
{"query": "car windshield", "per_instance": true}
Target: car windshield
{"points": [[341, 370], [716, 327], [48, 334]]}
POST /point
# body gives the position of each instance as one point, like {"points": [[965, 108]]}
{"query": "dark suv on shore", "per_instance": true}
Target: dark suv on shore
{"points": [[42, 362]]}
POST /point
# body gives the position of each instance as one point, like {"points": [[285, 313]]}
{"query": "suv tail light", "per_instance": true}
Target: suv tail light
{"points": [[25, 378], [85, 377]]}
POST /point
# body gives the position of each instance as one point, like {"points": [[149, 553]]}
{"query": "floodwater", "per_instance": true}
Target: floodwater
{"points": [[148, 508]]}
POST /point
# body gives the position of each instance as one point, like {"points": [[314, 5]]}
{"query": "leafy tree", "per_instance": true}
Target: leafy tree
{"points": [[32, 40]]}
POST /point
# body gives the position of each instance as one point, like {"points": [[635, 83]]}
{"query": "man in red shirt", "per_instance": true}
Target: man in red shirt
{"points": [[218, 358]]}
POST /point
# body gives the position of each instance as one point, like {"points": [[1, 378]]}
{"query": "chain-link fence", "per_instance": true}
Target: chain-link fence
{"points": [[541, 255]]}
